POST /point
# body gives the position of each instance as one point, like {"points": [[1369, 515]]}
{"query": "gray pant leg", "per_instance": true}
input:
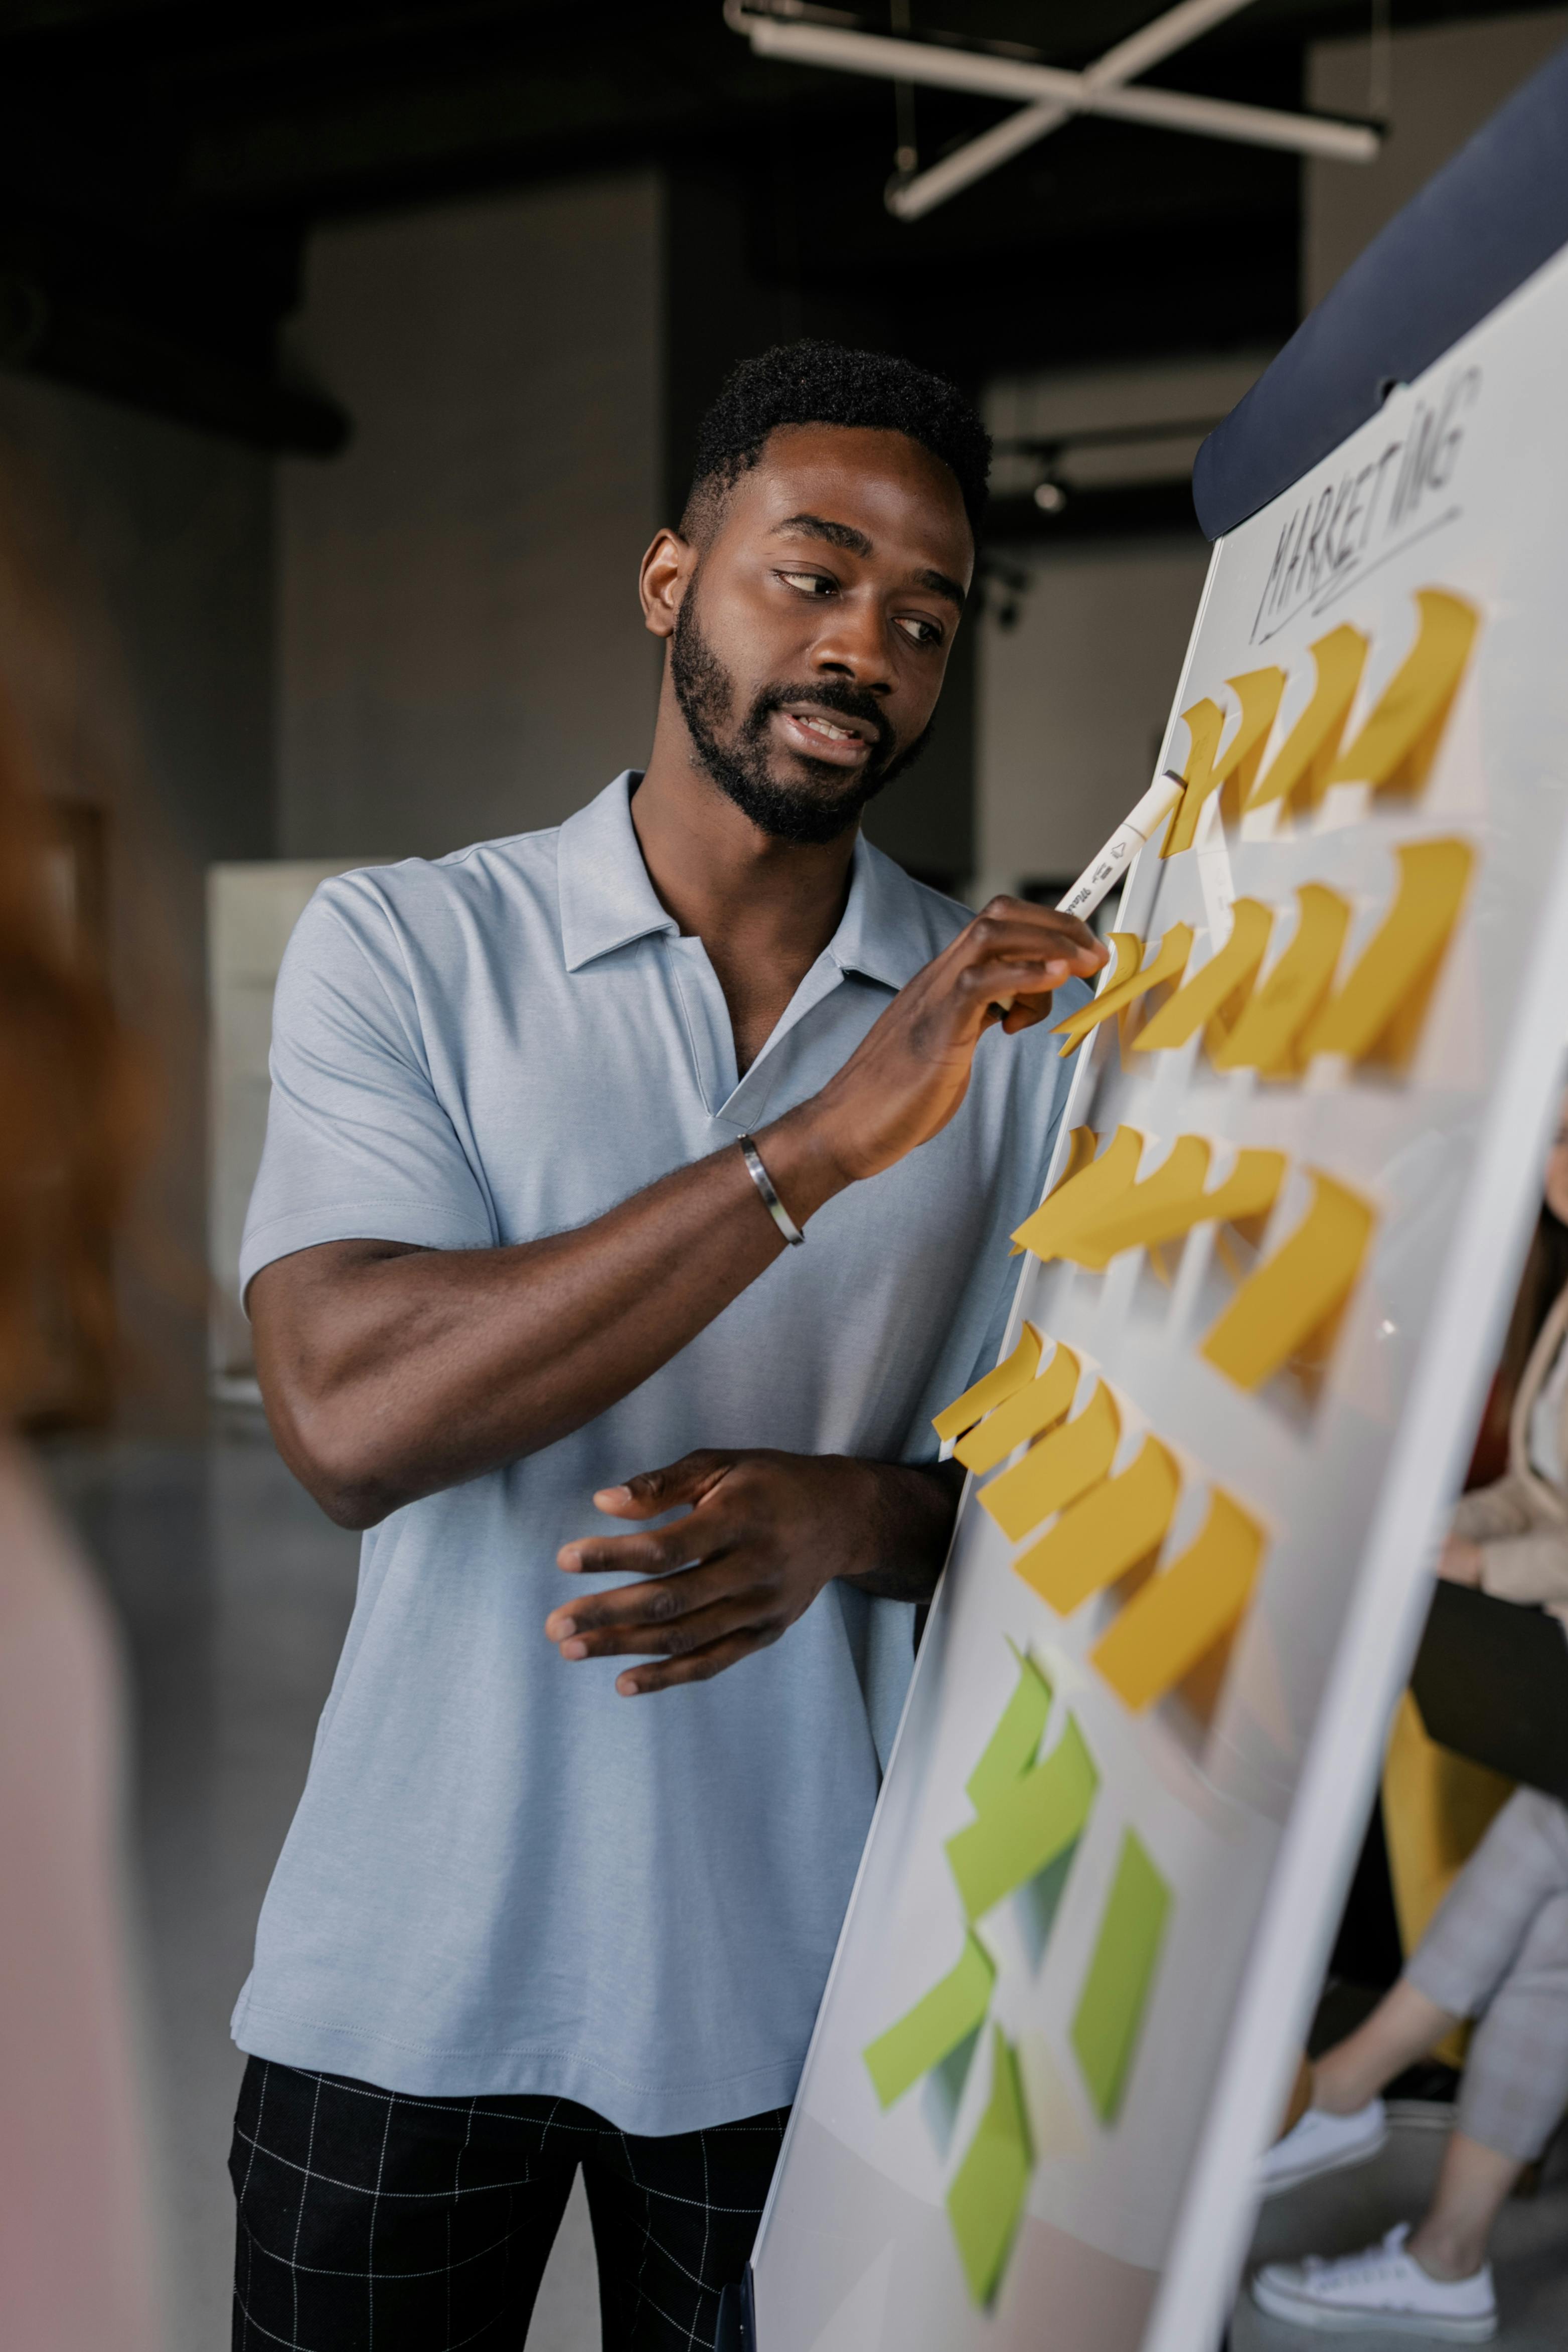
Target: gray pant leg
{"points": [[1498, 1950], [1516, 2074], [1484, 1919]]}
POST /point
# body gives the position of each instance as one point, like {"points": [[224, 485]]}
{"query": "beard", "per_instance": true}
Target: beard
{"points": [[817, 811]]}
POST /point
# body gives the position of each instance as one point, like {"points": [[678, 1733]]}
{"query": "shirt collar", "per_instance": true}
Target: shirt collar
{"points": [[606, 898], [607, 901], [881, 934]]}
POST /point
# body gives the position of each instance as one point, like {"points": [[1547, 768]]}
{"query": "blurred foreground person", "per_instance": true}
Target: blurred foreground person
{"points": [[77, 2266], [1496, 1950]]}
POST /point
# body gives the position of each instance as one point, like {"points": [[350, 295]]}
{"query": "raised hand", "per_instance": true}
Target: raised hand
{"points": [[910, 1072]]}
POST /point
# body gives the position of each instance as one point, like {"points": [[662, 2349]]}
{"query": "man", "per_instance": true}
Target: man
{"points": [[549, 1119]]}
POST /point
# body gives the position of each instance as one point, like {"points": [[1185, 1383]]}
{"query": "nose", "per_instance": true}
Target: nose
{"points": [[852, 644]]}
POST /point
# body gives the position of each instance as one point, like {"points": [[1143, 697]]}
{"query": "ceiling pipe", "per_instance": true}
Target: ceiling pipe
{"points": [[989, 75]]}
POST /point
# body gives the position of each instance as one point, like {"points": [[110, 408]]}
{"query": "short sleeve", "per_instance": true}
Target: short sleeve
{"points": [[358, 1143]]}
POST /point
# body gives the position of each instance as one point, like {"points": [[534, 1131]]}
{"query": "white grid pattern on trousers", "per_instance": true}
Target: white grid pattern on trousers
{"points": [[373, 2221]]}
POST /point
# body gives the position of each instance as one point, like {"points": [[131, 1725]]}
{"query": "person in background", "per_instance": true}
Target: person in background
{"points": [[1498, 1949], [78, 2267]]}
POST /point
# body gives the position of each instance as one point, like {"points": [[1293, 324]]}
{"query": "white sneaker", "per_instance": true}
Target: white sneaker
{"points": [[1384, 2287], [1322, 2143]]}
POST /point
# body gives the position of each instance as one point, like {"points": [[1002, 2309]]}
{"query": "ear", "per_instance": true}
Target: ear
{"points": [[666, 575]]}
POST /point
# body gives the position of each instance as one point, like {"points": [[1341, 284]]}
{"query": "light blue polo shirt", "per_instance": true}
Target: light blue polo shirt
{"points": [[502, 1877]]}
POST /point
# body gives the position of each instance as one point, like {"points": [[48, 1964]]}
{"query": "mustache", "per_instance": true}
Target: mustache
{"points": [[839, 698]]}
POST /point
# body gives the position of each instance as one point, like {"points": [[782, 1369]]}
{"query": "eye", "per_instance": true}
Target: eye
{"points": [[919, 630], [810, 583]]}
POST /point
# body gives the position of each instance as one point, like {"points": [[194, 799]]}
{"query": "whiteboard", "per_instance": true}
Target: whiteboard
{"points": [[1244, 1794]]}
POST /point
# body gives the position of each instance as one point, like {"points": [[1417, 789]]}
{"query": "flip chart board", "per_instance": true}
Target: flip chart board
{"points": [[1256, 1312]]}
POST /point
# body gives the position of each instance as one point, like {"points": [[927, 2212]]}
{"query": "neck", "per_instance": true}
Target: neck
{"points": [[764, 909], [716, 872]]}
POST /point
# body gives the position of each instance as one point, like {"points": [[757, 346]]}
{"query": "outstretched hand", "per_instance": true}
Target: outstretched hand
{"points": [[910, 1072], [764, 1533]]}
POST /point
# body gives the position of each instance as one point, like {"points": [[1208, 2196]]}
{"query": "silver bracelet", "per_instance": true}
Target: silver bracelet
{"points": [[771, 1201]]}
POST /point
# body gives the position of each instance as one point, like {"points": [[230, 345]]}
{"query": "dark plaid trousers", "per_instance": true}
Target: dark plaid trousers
{"points": [[372, 2221]]}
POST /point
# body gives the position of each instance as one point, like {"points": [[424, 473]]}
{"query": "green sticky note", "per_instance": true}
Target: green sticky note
{"points": [[935, 2028], [1025, 1827], [1110, 2007], [1011, 1748], [986, 2196]]}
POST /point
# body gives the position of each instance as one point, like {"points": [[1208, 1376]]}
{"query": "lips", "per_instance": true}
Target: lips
{"points": [[825, 734]]}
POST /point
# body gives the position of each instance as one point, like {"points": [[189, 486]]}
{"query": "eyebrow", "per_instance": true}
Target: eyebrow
{"points": [[845, 535]]}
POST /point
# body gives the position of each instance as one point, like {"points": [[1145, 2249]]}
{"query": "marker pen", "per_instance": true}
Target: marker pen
{"points": [[1105, 871]]}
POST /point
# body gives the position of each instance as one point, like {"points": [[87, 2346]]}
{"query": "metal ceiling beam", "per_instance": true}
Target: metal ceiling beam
{"points": [[1055, 93]]}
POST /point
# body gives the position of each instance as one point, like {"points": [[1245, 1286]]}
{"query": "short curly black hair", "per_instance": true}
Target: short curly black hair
{"points": [[815, 383]]}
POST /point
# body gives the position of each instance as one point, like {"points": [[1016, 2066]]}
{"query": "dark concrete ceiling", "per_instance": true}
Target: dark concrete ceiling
{"points": [[162, 162]]}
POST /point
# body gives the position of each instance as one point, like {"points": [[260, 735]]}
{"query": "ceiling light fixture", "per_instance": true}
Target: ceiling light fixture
{"points": [[792, 29]]}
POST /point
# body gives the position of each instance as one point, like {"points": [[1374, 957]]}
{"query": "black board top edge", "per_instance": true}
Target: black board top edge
{"points": [[1485, 223]]}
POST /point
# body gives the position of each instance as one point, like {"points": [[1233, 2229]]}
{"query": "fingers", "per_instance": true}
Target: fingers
{"points": [[1011, 928], [657, 1600], [653, 1491], [656, 1552], [1011, 977], [667, 1635], [699, 1667]]}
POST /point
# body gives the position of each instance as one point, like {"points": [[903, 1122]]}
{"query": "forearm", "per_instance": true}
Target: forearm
{"points": [[906, 1529], [391, 1372], [1530, 1569]]}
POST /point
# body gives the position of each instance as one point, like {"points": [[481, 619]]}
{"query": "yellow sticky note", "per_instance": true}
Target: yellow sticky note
{"points": [[1258, 693], [1249, 1191], [1126, 955], [1401, 959], [1062, 1210], [1303, 763], [1057, 1470], [1147, 1212], [1289, 1297], [1203, 997], [935, 2027], [1082, 1145], [985, 2198], [1205, 724], [1274, 1016], [1109, 1530], [1169, 964], [993, 1390], [1028, 1412], [1172, 1620], [1149, 1215], [1396, 747]]}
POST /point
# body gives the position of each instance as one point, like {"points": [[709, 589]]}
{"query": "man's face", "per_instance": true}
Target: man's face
{"points": [[813, 637]]}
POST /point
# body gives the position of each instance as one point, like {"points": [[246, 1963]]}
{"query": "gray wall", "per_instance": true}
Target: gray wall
{"points": [[135, 634], [461, 651], [1444, 83], [1073, 699]]}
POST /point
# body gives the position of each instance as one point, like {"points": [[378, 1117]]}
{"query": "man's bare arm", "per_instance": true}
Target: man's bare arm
{"points": [[390, 1373]]}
